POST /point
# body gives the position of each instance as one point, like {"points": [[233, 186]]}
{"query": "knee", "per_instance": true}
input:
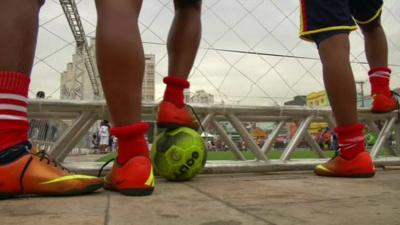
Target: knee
{"points": [[188, 5], [371, 26]]}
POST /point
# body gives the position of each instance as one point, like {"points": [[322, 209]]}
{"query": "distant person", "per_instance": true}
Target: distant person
{"points": [[40, 95], [104, 136], [94, 142], [328, 24]]}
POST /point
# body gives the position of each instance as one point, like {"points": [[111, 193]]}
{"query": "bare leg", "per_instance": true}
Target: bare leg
{"points": [[376, 51], [120, 58], [19, 21], [338, 78], [375, 42], [19, 27], [184, 38]]}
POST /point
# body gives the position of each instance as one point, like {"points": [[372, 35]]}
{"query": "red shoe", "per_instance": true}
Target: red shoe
{"points": [[171, 117], [134, 178], [36, 174], [383, 104], [360, 166]]}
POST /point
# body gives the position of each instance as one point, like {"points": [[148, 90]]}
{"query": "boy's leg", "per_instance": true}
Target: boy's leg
{"points": [[368, 14], [376, 47], [19, 25], [183, 42], [338, 78], [120, 60], [334, 51]]}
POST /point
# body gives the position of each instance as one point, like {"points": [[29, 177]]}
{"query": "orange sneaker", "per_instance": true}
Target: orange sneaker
{"points": [[134, 178], [171, 117], [383, 104], [36, 174], [360, 166]]}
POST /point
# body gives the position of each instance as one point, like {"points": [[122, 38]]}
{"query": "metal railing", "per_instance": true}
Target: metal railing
{"points": [[81, 116]]}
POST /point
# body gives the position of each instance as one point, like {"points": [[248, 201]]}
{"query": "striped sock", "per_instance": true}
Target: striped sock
{"points": [[14, 123], [351, 140], [379, 78]]}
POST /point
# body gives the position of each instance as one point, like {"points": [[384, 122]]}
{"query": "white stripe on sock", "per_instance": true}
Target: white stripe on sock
{"points": [[13, 107], [382, 74], [11, 117], [14, 97]]}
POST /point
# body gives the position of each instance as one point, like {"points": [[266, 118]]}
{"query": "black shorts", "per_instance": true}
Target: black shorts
{"points": [[318, 16]]}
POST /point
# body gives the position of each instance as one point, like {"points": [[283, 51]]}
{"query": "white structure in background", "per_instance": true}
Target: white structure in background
{"points": [[75, 83], [186, 94], [202, 97]]}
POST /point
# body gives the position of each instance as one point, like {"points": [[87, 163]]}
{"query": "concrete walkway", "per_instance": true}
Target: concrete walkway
{"points": [[226, 199]]}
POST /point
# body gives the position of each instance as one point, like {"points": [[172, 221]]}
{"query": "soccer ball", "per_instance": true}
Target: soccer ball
{"points": [[178, 154]]}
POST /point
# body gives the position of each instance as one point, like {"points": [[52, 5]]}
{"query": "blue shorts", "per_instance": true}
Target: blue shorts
{"points": [[320, 16]]}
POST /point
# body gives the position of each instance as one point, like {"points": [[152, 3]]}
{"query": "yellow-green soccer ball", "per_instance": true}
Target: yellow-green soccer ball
{"points": [[178, 154]]}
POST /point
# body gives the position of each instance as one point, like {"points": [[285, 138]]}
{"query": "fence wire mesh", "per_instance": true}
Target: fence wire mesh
{"points": [[253, 43]]}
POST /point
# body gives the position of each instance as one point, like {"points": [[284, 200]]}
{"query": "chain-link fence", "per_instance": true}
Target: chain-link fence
{"points": [[253, 43]]}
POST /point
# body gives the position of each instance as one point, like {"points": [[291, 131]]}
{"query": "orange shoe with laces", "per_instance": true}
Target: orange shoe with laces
{"points": [[134, 178], [171, 117], [36, 174], [360, 166]]}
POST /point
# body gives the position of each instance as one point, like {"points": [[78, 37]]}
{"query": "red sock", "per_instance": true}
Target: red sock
{"points": [[131, 141], [14, 123], [174, 91], [351, 140], [379, 78]]}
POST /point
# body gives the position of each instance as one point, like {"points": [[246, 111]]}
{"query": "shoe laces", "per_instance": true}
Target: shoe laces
{"points": [[197, 117], [104, 165], [44, 156]]}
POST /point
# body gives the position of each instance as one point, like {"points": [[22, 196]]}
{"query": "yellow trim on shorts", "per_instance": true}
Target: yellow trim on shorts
{"points": [[371, 19], [306, 35]]}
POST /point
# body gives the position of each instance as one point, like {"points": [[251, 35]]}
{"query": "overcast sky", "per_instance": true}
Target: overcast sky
{"points": [[262, 26]]}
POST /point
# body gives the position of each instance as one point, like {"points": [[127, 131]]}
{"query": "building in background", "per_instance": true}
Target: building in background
{"points": [[202, 97], [300, 100], [187, 94], [148, 85], [317, 99], [76, 85]]}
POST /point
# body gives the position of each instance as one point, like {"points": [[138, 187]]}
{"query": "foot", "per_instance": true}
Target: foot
{"points": [[171, 117], [383, 104], [360, 166], [36, 174], [134, 178]]}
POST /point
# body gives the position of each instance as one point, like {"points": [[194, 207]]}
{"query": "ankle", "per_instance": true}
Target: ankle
{"points": [[351, 140], [131, 141], [379, 78], [174, 91], [15, 152], [13, 116]]}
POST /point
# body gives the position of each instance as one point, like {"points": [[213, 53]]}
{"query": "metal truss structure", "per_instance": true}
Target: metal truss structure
{"points": [[74, 21], [83, 115]]}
